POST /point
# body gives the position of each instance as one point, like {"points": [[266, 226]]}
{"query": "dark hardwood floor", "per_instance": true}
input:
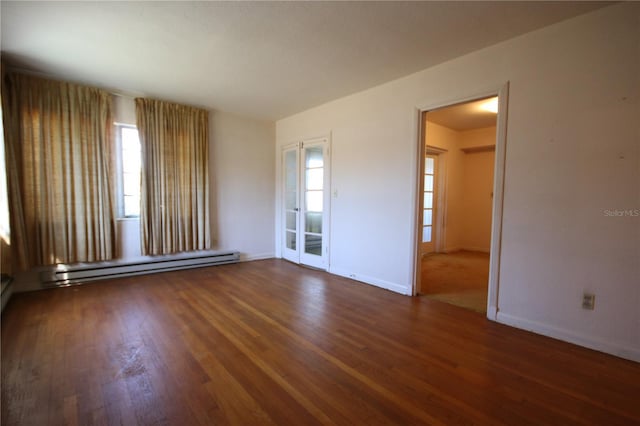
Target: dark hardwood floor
{"points": [[268, 342]]}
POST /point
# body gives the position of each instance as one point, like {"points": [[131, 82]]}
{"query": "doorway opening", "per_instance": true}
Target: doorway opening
{"points": [[459, 217]]}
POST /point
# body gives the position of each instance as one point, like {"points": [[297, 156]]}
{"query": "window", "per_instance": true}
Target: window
{"points": [[128, 169]]}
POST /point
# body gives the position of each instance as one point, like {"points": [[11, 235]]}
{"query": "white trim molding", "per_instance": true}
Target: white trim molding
{"points": [[246, 257], [387, 285], [565, 335]]}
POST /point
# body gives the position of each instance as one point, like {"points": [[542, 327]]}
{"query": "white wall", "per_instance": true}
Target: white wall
{"points": [[242, 179], [477, 189], [482, 137], [572, 154], [477, 200]]}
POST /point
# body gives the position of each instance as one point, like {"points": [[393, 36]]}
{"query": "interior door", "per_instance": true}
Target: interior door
{"points": [[306, 198], [429, 204], [291, 161]]}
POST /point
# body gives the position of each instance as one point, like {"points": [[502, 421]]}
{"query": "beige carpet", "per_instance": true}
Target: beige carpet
{"points": [[458, 278]]}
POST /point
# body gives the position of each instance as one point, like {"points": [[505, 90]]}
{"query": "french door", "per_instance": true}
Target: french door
{"points": [[429, 204], [306, 200]]}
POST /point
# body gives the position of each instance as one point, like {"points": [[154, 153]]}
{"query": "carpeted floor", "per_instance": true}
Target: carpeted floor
{"points": [[459, 278]]}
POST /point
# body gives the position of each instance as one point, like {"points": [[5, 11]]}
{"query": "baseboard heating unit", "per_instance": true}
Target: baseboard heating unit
{"points": [[64, 275]]}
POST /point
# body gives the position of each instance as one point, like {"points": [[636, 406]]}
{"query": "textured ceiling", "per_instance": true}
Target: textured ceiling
{"points": [[265, 59]]}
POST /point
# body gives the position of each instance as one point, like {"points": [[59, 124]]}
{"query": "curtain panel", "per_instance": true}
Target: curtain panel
{"points": [[58, 141], [174, 210]]}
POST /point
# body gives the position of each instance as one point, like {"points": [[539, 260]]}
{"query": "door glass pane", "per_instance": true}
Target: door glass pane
{"points": [[291, 221], [314, 179], [428, 165], [426, 234], [313, 198], [291, 178], [290, 200], [313, 222], [290, 171], [428, 183], [313, 244], [427, 217], [428, 200], [291, 240], [291, 197], [290, 184], [313, 201], [313, 157]]}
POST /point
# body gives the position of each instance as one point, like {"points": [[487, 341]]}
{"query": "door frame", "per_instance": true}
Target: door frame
{"points": [[502, 91]]}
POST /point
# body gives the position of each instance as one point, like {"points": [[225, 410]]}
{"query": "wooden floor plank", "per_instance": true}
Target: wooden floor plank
{"points": [[268, 342]]}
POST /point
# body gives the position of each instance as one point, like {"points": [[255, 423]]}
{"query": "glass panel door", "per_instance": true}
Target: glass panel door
{"points": [[429, 205], [313, 186], [313, 207], [290, 223], [306, 197]]}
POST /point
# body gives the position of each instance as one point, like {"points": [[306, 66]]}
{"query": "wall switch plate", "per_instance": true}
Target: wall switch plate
{"points": [[588, 301]]}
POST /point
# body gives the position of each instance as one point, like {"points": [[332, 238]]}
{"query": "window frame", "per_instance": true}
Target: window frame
{"points": [[120, 171]]}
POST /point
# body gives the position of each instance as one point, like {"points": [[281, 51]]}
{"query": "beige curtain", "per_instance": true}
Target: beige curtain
{"points": [[174, 211], [58, 146]]}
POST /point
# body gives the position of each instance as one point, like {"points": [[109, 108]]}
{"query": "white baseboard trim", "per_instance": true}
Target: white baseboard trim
{"points": [[244, 257], [612, 348], [492, 313], [387, 285]]}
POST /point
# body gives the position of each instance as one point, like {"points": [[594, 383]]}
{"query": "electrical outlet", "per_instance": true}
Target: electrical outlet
{"points": [[588, 301]]}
